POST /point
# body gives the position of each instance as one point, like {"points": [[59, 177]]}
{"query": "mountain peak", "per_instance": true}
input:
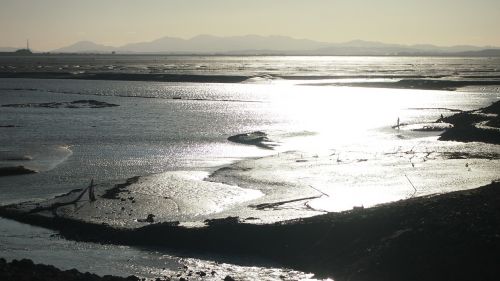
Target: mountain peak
{"points": [[85, 46]]}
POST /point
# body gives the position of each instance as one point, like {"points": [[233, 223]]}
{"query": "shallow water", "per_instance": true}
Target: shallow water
{"points": [[145, 136], [263, 67], [18, 241], [183, 127]]}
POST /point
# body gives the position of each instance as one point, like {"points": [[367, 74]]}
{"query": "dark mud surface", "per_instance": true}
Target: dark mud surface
{"points": [[129, 77], [72, 104], [8, 126], [26, 270], [423, 84], [14, 171], [453, 236], [480, 125]]}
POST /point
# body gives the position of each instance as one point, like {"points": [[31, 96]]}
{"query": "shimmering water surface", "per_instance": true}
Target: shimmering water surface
{"points": [[273, 66], [183, 128]]}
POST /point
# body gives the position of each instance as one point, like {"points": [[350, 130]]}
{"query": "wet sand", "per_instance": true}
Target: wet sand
{"points": [[32, 160], [431, 238], [452, 236]]}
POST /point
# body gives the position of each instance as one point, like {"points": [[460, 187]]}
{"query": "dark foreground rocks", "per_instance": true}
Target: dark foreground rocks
{"points": [[482, 125], [453, 236], [26, 270]]}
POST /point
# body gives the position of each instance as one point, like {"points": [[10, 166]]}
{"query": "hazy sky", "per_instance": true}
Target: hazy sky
{"points": [[51, 24]]}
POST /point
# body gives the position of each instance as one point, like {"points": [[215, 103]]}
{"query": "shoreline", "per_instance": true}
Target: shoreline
{"points": [[362, 244], [414, 84], [147, 77], [387, 242], [26, 270], [398, 82]]}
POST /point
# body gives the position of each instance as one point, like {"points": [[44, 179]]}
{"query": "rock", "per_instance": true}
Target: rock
{"points": [[150, 218], [256, 138]]}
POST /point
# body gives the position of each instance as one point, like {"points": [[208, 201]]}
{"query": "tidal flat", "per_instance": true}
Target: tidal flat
{"points": [[300, 176]]}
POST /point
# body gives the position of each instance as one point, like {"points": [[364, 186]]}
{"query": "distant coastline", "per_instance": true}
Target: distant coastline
{"points": [[258, 53], [249, 69], [251, 45]]}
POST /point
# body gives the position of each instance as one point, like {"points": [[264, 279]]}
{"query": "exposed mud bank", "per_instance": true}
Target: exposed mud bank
{"points": [[481, 125], [453, 236]]}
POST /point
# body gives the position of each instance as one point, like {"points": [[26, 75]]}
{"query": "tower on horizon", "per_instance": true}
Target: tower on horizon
{"points": [[26, 51]]}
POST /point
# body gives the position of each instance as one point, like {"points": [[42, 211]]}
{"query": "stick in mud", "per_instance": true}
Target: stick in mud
{"points": [[412, 186], [54, 206], [91, 191], [319, 191]]}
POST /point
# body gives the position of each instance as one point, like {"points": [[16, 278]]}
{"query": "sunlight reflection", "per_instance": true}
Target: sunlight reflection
{"points": [[343, 114]]}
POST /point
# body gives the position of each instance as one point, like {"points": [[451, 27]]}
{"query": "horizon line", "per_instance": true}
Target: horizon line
{"points": [[104, 44]]}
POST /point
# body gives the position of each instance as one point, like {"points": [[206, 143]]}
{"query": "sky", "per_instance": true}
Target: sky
{"points": [[50, 24]]}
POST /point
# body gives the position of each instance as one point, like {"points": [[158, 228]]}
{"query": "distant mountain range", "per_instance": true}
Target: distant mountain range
{"points": [[273, 45], [203, 44]]}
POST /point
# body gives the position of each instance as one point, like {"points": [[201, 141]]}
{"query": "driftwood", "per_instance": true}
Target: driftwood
{"points": [[53, 207], [276, 204]]}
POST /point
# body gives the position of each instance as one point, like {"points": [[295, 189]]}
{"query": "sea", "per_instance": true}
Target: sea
{"points": [[338, 109]]}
